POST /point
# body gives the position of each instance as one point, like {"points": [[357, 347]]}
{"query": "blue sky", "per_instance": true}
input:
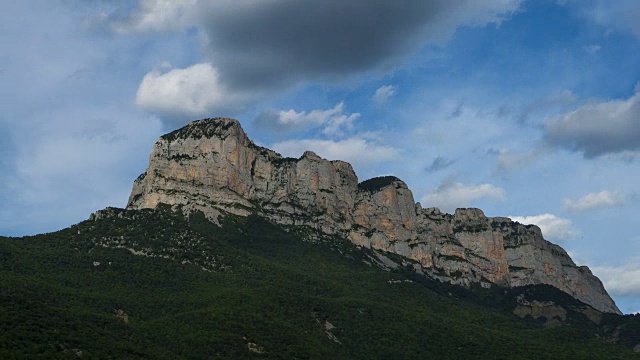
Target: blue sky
{"points": [[527, 109]]}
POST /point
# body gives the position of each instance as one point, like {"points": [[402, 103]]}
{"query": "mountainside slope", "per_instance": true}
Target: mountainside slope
{"points": [[153, 284], [211, 166]]}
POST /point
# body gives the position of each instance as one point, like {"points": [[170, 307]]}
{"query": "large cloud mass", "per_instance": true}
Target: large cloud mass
{"points": [[598, 128], [275, 43]]}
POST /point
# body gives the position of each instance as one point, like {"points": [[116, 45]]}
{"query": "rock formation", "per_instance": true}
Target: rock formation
{"points": [[211, 165]]}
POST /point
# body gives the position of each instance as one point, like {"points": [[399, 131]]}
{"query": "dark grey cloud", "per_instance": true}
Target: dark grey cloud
{"points": [[271, 44], [281, 42], [599, 128], [439, 163]]}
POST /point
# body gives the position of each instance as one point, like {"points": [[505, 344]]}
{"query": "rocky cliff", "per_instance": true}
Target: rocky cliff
{"points": [[211, 165]]}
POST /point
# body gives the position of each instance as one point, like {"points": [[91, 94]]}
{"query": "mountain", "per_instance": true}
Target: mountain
{"points": [[212, 166], [229, 251]]}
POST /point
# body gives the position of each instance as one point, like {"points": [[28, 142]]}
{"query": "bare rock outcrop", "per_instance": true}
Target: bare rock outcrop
{"points": [[384, 215], [211, 165], [553, 314], [533, 260]]}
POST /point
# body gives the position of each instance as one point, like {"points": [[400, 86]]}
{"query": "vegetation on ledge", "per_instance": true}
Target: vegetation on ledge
{"points": [[377, 183]]}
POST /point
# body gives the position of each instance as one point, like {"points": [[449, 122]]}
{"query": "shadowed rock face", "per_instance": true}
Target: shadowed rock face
{"points": [[211, 165]]}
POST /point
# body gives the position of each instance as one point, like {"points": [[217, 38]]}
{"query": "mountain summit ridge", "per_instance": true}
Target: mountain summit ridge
{"points": [[211, 165]]}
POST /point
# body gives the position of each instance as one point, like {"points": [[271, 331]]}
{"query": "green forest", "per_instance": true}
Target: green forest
{"points": [[154, 284]]}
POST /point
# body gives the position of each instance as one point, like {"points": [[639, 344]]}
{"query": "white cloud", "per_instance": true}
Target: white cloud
{"points": [[598, 128], [158, 15], [334, 121], [193, 91], [384, 93], [552, 227], [622, 280], [451, 195], [359, 152], [592, 201]]}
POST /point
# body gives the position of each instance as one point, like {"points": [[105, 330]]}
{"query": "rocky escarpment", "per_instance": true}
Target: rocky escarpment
{"points": [[211, 165]]}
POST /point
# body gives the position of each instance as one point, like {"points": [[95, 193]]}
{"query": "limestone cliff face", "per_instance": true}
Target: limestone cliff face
{"points": [[533, 260], [384, 213], [210, 165]]}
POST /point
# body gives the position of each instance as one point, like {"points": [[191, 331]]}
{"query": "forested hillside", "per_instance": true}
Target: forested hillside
{"points": [[153, 284]]}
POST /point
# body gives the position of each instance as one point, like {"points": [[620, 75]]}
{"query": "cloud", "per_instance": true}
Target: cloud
{"points": [[384, 93], [193, 91], [508, 160], [279, 43], [602, 199], [71, 140], [597, 128], [334, 121], [552, 227], [592, 49], [546, 106], [439, 163], [621, 15], [157, 15], [622, 280], [451, 195], [88, 154], [359, 152]]}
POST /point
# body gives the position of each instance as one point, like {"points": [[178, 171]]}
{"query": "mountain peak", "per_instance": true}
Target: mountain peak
{"points": [[211, 166], [311, 155], [207, 128], [380, 182]]}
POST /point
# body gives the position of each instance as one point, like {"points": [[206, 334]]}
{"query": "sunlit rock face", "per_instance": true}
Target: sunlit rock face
{"points": [[212, 166]]}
